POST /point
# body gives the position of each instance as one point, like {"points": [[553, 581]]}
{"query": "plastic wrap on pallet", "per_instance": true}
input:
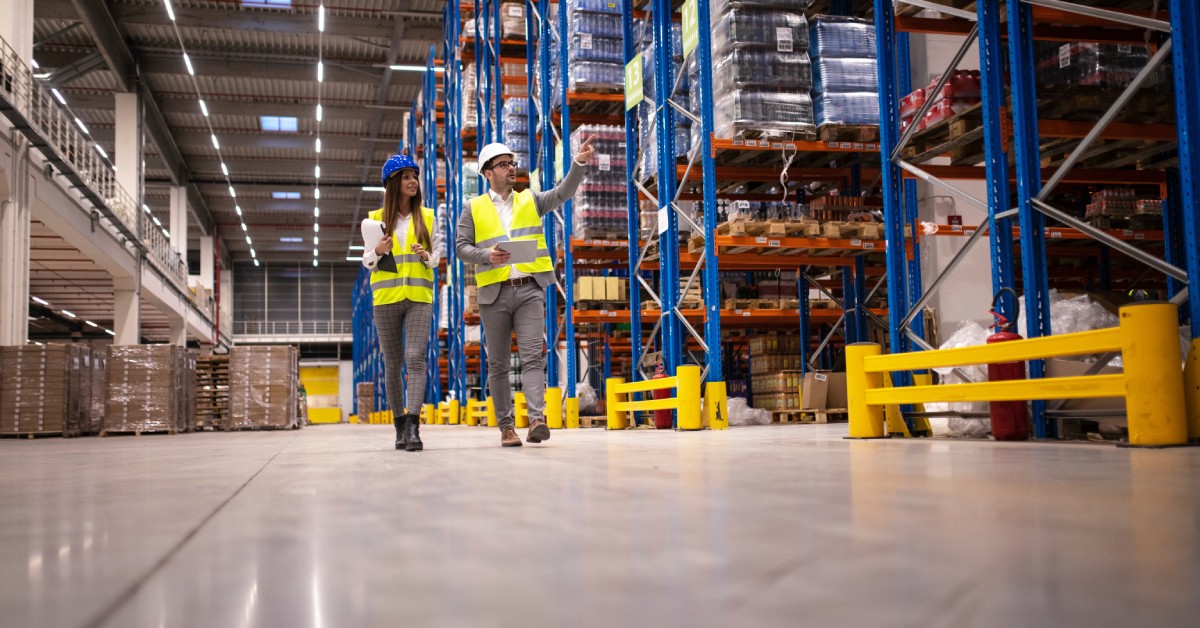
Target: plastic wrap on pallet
{"points": [[512, 20], [470, 175], [589, 47], [855, 108], [600, 202], [844, 75], [262, 387], [589, 75], [587, 7], [519, 144], [146, 388], [835, 36], [42, 389], [1089, 64], [742, 68], [746, 110], [760, 29]]}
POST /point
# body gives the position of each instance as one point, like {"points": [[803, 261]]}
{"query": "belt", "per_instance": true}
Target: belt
{"points": [[520, 281]]}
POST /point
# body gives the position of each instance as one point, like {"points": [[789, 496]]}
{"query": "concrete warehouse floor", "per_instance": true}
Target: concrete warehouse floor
{"points": [[769, 526]]}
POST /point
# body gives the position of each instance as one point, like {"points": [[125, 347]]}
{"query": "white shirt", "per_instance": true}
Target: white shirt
{"points": [[504, 207], [371, 258]]}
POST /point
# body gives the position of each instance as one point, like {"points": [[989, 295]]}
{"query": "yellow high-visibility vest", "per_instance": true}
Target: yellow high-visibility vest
{"points": [[412, 281], [489, 231]]}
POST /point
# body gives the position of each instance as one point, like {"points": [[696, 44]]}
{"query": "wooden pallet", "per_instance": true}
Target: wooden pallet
{"points": [[848, 133], [593, 421], [752, 304], [788, 416], [794, 229], [831, 415], [959, 136], [106, 433], [32, 435], [835, 230], [742, 228], [599, 234]]}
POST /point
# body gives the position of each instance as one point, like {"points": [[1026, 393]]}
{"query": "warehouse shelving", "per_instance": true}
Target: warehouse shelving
{"points": [[1037, 173]]}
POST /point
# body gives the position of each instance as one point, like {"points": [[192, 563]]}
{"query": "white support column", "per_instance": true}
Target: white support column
{"points": [[128, 139], [127, 314], [179, 220], [16, 27], [206, 261], [178, 333], [14, 250]]}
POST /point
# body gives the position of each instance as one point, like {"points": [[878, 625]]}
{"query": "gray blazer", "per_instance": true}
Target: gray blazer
{"points": [[546, 202]]}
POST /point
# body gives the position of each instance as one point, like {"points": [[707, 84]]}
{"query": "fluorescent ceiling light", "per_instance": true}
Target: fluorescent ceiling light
{"points": [[39, 300], [285, 195], [145, 207], [316, 212], [35, 63], [224, 169], [317, 172], [239, 209], [252, 253], [320, 71], [316, 240], [291, 239], [232, 192], [317, 193], [42, 76], [318, 144], [203, 108], [91, 323], [320, 111], [82, 127], [412, 68], [316, 228], [372, 188], [166, 233], [243, 227], [248, 240], [156, 222], [110, 332], [216, 144], [188, 62], [256, 262], [58, 96], [68, 313], [314, 262], [353, 259], [321, 18], [314, 252], [356, 247], [100, 149], [170, 11]]}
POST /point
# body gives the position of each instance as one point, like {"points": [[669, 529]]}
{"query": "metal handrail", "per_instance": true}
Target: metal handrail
{"points": [[290, 328]]}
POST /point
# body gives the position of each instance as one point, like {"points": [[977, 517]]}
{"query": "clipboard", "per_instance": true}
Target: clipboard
{"points": [[520, 251], [373, 233]]}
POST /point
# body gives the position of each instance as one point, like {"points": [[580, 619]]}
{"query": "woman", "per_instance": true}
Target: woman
{"points": [[401, 268]]}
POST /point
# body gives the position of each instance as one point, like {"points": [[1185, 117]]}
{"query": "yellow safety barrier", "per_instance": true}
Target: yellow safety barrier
{"points": [[481, 413], [686, 402], [520, 410], [554, 404], [1191, 388], [1152, 383]]}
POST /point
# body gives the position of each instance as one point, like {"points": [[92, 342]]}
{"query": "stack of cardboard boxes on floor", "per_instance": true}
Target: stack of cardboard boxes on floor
{"points": [[48, 389], [776, 381], [263, 384], [151, 388]]}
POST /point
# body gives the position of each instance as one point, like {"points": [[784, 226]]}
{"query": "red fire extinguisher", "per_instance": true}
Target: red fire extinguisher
{"points": [[1010, 419], [662, 418]]}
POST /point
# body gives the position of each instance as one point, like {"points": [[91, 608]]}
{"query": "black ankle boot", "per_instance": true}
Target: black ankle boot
{"points": [[401, 423], [413, 433]]}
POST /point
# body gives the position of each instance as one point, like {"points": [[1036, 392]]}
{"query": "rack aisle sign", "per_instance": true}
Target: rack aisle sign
{"points": [[633, 85], [691, 28]]}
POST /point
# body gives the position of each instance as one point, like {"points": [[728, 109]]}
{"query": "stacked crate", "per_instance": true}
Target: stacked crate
{"points": [[599, 209], [762, 74], [42, 390], [150, 389], [775, 371], [99, 398], [845, 80], [263, 383], [212, 391], [366, 400]]}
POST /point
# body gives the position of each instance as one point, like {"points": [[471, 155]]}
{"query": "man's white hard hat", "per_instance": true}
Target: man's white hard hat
{"points": [[491, 151]]}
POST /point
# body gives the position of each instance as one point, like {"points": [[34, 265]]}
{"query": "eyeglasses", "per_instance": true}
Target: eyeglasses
{"points": [[504, 165]]}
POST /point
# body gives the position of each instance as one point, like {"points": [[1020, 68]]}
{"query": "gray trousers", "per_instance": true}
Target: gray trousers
{"points": [[403, 329], [521, 309]]}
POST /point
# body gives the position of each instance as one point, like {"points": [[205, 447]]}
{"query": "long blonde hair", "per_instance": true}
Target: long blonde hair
{"points": [[392, 200]]}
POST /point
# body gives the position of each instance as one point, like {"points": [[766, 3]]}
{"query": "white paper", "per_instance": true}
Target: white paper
{"points": [[372, 233], [783, 39], [516, 10], [585, 41], [605, 162], [1064, 55], [663, 222], [520, 251]]}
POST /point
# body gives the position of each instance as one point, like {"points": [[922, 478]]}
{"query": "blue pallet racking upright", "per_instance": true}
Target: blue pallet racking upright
{"points": [[1079, 158]]}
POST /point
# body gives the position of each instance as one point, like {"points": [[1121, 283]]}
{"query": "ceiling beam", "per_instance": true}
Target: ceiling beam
{"points": [[236, 105], [76, 69], [261, 66], [379, 27], [103, 29], [262, 140], [300, 169]]}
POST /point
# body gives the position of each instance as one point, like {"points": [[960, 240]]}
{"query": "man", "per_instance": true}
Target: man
{"points": [[512, 297]]}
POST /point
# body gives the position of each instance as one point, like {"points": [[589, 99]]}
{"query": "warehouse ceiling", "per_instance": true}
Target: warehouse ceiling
{"points": [[250, 59]]}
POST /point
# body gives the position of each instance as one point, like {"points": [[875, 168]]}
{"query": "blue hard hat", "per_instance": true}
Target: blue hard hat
{"points": [[396, 163]]}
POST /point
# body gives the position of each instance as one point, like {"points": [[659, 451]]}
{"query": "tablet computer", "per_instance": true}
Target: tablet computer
{"points": [[521, 251]]}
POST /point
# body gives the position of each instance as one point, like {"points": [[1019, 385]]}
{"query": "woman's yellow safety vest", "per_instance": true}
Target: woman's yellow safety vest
{"points": [[412, 281], [489, 231]]}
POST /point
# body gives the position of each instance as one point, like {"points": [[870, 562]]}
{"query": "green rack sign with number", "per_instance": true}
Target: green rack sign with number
{"points": [[633, 83], [691, 27]]}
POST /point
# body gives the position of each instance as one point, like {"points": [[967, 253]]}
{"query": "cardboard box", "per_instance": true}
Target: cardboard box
{"points": [[836, 397], [1072, 368], [612, 289], [814, 391]]}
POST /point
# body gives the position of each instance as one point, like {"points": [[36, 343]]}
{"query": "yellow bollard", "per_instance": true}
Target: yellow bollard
{"points": [[520, 410], [865, 421], [453, 410], [617, 419], [1191, 390], [452, 418], [492, 419], [716, 400], [573, 413], [687, 394], [430, 410], [1154, 397], [554, 417]]}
